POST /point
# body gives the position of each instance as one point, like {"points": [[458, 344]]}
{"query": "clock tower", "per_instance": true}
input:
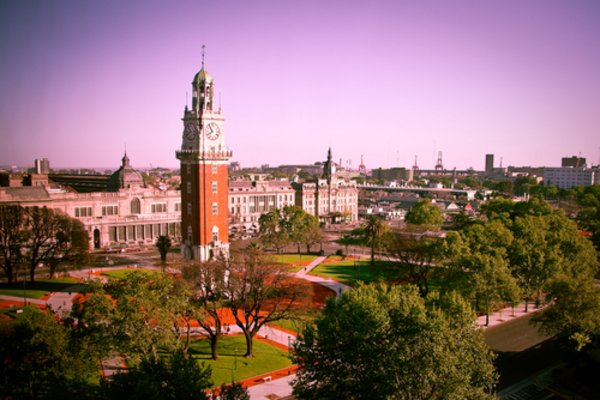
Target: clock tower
{"points": [[204, 184]]}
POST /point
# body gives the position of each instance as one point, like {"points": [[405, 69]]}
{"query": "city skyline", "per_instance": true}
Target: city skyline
{"points": [[389, 81]]}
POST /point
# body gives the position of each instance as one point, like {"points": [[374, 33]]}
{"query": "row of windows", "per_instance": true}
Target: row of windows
{"points": [[110, 210], [214, 208], [159, 208], [214, 168], [214, 187], [215, 233], [142, 232], [83, 211]]}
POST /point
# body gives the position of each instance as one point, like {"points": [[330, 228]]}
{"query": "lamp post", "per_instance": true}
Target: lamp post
{"points": [[234, 362]]}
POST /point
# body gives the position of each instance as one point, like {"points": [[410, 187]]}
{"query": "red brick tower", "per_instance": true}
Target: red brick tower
{"points": [[204, 185]]}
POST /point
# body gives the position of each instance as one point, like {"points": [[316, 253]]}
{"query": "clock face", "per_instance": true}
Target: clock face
{"points": [[190, 131], [213, 131]]}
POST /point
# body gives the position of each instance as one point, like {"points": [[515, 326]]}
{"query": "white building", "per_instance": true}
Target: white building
{"points": [[568, 177]]}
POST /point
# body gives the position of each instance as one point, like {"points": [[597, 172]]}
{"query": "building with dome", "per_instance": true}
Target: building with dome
{"points": [[118, 210]]}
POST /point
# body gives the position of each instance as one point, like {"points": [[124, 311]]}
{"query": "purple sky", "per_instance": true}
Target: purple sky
{"points": [[80, 80]]}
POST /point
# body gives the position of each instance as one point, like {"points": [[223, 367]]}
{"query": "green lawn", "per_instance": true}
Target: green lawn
{"points": [[122, 273], [295, 261], [298, 324], [38, 289], [350, 272], [231, 362]]}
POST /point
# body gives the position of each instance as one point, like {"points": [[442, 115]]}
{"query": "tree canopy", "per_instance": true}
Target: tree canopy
{"points": [[424, 213], [383, 342]]}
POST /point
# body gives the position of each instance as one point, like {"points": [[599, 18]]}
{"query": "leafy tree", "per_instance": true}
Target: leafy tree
{"points": [[574, 310], [39, 359], [417, 254], [383, 342], [177, 377], [478, 267], [292, 223], [163, 244], [524, 184], [310, 232], [53, 237], [280, 227], [588, 216], [235, 391], [534, 260], [260, 292], [208, 300], [36, 235], [12, 238], [271, 230], [424, 213], [371, 233], [143, 316]]}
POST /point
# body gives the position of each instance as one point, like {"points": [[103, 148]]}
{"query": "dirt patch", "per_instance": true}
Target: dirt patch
{"points": [[320, 295]]}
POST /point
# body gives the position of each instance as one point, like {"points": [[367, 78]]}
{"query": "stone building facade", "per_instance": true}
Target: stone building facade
{"points": [[329, 198], [125, 212], [248, 200]]}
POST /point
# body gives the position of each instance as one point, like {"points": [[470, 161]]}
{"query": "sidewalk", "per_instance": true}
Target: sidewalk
{"points": [[332, 284], [507, 314]]}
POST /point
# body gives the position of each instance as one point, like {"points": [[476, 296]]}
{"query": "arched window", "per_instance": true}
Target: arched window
{"points": [[189, 233], [136, 207], [215, 234]]}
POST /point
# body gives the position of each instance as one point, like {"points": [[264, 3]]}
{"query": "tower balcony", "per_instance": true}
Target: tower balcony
{"points": [[195, 154]]}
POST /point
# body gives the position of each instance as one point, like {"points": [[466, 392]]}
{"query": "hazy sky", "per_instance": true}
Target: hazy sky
{"points": [[80, 80]]}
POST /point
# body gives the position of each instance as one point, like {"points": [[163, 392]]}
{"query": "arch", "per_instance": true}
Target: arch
{"points": [[136, 206], [215, 234], [96, 238]]}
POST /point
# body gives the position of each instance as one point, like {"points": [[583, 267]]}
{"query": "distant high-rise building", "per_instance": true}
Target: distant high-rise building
{"points": [[489, 164], [42, 166], [573, 161]]}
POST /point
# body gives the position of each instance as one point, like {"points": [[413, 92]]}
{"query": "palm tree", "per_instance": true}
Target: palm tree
{"points": [[371, 233]]}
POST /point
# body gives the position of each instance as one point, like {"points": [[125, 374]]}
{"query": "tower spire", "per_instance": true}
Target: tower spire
{"points": [[203, 46]]}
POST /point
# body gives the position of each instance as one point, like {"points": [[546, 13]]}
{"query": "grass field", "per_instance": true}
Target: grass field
{"points": [[232, 364], [38, 289], [122, 273], [295, 261], [353, 271]]}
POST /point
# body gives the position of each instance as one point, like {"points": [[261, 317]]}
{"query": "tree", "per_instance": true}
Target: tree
{"points": [[478, 267], [260, 292], [163, 244], [52, 237], [12, 239], [417, 253], [382, 342], [208, 300], [574, 310], [310, 233], [39, 359], [371, 233], [235, 391], [424, 213], [143, 316], [177, 377], [271, 232]]}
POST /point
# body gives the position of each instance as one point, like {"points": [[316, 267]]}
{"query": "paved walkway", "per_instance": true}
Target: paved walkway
{"points": [[506, 314], [61, 302], [332, 284]]}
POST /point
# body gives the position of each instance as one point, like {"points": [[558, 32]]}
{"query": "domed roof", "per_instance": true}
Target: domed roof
{"points": [[125, 177], [202, 76]]}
